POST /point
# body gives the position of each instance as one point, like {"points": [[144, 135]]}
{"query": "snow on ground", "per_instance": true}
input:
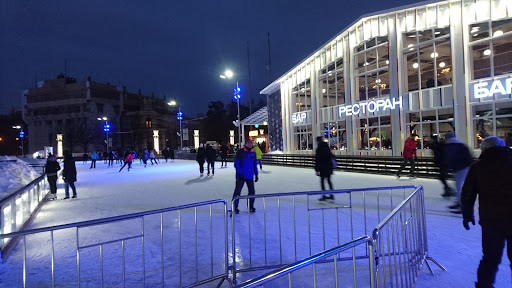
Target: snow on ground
{"points": [[15, 174], [104, 192]]}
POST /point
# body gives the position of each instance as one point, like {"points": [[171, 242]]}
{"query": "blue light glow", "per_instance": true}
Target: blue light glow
{"points": [[22, 134], [256, 126]]}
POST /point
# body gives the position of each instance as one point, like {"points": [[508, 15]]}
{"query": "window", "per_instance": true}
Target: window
{"points": [[336, 134], [429, 123], [148, 123], [372, 68], [374, 133], [427, 58], [491, 48], [332, 87], [492, 119]]}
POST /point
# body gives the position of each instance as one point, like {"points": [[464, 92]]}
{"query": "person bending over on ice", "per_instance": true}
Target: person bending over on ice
{"points": [[246, 170], [489, 178], [324, 165]]}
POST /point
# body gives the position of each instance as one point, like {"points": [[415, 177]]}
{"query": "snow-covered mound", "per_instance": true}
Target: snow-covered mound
{"points": [[14, 173]]}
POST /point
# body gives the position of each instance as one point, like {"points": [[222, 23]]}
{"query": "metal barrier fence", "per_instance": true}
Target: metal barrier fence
{"points": [[291, 226], [309, 278], [18, 209], [170, 246], [401, 243]]}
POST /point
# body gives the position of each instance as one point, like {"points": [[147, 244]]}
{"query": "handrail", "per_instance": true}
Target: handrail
{"points": [[305, 262], [22, 189], [109, 219], [324, 192], [393, 213]]}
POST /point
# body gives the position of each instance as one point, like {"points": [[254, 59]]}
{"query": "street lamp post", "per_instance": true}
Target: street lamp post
{"points": [[106, 128], [179, 116], [22, 138], [237, 94]]}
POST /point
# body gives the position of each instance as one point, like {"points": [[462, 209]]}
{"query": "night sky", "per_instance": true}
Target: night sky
{"points": [[174, 47]]}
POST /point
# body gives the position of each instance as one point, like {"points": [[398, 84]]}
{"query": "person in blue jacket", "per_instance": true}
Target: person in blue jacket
{"points": [[246, 172], [94, 158]]}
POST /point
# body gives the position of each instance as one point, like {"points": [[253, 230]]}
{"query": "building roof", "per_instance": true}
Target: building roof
{"points": [[258, 117], [274, 86]]}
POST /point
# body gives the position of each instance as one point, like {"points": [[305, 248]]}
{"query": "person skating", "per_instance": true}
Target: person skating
{"points": [[152, 156], [94, 158], [50, 169], [165, 153], [437, 148], [489, 179], [69, 174], [259, 155], [171, 154], [409, 155], [200, 158], [223, 155], [246, 173], [323, 165], [128, 160], [105, 157], [145, 157], [457, 159], [211, 155], [111, 157]]}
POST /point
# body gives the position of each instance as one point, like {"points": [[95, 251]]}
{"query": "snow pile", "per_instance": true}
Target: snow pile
{"points": [[15, 174]]}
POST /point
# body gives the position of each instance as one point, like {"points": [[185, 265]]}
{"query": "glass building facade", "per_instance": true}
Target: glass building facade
{"points": [[430, 69]]}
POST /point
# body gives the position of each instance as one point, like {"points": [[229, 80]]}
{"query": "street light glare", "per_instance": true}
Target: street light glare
{"points": [[172, 103], [105, 118], [228, 73], [99, 118], [222, 76]]}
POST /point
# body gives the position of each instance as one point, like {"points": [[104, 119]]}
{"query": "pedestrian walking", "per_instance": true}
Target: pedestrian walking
{"points": [[409, 155], [324, 165], [152, 156], [111, 157], [457, 159], [128, 161], [211, 156], [489, 179], [165, 153], [50, 169], [171, 154], [223, 155], [246, 173], [94, 158], [69, 174], [259, 154], [145, 157], [200, 158]]}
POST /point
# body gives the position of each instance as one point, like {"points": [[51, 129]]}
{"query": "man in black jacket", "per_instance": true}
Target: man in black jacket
{"points": [[50, 169], [324, 165], [489, 178], [69, 174], [211, 155]]}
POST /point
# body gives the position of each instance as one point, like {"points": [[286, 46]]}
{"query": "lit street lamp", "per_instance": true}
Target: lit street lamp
{"points": [[237, 94], [179, 116], [22, 138], [106, 128]]}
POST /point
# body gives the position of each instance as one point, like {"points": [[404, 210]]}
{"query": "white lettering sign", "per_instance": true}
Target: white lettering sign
{"points": [[501, 87], [371, 106], [299, 118]]}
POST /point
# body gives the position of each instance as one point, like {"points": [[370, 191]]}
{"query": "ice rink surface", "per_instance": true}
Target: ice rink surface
{"points": [[104, 192]]}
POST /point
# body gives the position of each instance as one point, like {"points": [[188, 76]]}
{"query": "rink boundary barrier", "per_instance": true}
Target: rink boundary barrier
{"points": [[139, 215]]}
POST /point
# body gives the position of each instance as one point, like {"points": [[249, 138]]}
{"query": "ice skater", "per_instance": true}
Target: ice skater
{"points": [[128, 160], [171, 154], [437, 148], [145, 157], [200, 158], [69, 174], [211, 155], [223, 155], [409, 155], [259, 155], [246, 173], [111, 157], [324, 165], [165, 153], [489, 179], [50, 169], [152, 156], [94, 158]]}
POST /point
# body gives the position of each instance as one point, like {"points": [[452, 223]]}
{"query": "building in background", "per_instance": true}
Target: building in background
{"points": [[428, 69], [63, 106]]}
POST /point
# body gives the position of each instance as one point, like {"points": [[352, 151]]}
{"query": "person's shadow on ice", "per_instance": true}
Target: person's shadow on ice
{"points": [[198, 180]]}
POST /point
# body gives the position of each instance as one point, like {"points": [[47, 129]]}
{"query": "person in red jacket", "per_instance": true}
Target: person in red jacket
{"points": [[409, 155], [128, 160]]}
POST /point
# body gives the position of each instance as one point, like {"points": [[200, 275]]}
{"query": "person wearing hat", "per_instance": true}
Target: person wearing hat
{"points": [[246, 173], [489, 179]]}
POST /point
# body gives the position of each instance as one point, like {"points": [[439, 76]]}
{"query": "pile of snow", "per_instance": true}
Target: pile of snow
{"points": [[15, 174]]}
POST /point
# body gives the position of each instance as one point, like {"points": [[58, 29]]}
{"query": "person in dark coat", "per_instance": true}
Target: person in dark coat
{"points": [[50, 169], [211, 155], [145, 157], [437, 148], [69, 174], [489, 178], [171, 154], [200, 158], [457, 158], [224, 155], [165, 153], [246, 173], [324, 165], [111, 157]]}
